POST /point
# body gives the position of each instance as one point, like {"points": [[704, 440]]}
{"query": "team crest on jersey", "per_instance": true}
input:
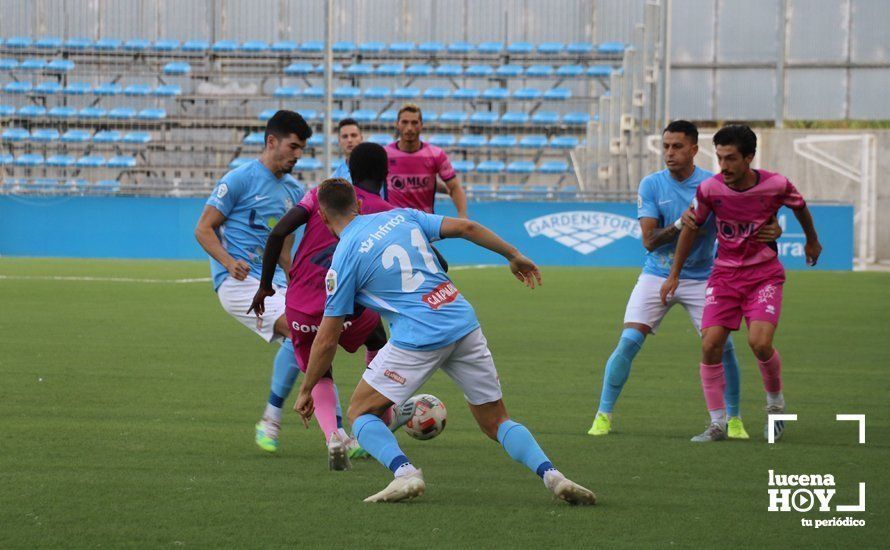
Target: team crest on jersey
{"points": [[584, 231], [330, 282], [222, 190]]}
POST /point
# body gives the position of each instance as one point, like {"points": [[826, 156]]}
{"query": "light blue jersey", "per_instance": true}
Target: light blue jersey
{"points": [[253, 200], [662, 197], [342, 171], [384, 262]]}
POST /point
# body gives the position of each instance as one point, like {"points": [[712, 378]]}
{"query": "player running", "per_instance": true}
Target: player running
{"points": [[662, 199], [238, 217], [349, 134], [306, 293], [383, 261], [747, 278]]}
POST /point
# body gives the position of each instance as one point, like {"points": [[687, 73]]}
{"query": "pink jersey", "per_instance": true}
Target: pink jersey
{"points": [[306, 290], [741, 214], [412, 176]]}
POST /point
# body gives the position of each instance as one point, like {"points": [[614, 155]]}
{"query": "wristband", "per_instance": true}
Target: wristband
{"points": [[679, 224]]}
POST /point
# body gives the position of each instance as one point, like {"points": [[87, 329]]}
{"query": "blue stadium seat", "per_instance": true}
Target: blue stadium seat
{"points": [[376, 92], [449, 70], [315, 140], [152, 114], [430, 116], [564, 142], [490, 167], [502, 142], [388, 116], [472, 141], [419, 69], [453, 117], [62, 112], [60, 161], [579, 48], [509, 71], [576, 118], [107, 186], [490, 48], [309, 165], [513, 191], [463, 166], [121, 161], [168, 90], [239, 161], [140, 138], [312, 46], [17, 87], [485, 118], [381, 139], [196, 46], [48, 43], [33, 111], [570, 71], [287, 92], [402, 48], [76, 136], [255, 138], [60, 66], [465, 94], [298, 69], [611, 48], [599, 70], [337, 68], [19, 42], [137, 45], [166, 45], [45, 135], [8, 64], [285, 46], [33, 65], [122, 113], [515, 118], [539, 71], [551, 48], [137, 90], [7, 110], [436, 92], [16, 134], [557, 94], [533, 141], [406, 93], [108, 88], [520, 48], [431, 47], [538, 191], [177, 68], [439, 140], [389, 69], [360, 69], [336, 115], [6, 158], [48, 88], [460, 48], [527, 94], [107, 44], [346, 92], [78, 88], [255, 46], [479, 71], [371, 47], [495, 94], [91, 113], [224, 46], [107, 136], [343, 46], [78, 44], [29, 160], [545, 117], [313, 92], [266, 114], [553, 167], [364, 115]]}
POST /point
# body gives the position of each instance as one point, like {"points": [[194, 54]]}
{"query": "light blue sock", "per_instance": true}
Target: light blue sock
{"points": [[284, 374], [733, 383], [375, 437], [520, 444], [618, 367]]}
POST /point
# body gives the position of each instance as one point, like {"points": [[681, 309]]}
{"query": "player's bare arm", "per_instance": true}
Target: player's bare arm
{"points": [[275, 249], [812, 248], [456, 192], [684, 247], [654, 236], [522, 268], [284, 257], [324, 348], [206, 233]]}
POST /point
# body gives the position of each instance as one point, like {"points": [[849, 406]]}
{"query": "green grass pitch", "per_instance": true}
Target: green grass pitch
{"points": [[127, 412]]}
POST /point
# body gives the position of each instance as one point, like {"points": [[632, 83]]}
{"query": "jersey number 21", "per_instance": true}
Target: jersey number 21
{"points": [[411, 281]]}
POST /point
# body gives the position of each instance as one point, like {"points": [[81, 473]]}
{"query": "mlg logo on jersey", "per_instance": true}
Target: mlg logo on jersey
{"points": [[584, 231]]}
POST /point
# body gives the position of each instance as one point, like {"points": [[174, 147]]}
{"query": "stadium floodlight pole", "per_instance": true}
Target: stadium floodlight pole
{"points": [[328, 80]]}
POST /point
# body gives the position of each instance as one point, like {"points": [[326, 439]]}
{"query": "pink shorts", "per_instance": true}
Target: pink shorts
{"points": [[303, 328], [754, 293]]}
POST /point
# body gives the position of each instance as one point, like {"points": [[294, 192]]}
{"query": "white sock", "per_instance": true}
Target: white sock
{"points": [[775, 399], [405, 470], [272, 413], [718, 416], [343, 435], [552, 477]]}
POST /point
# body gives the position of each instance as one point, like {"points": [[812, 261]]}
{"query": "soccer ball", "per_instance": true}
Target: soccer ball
{"points": [[428, 419]]}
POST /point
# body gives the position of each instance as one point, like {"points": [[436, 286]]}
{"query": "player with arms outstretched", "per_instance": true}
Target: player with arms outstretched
{"points": [[383, 261], [748, 277]]}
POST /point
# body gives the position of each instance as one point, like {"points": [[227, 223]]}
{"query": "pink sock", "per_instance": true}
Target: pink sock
{"points": [[771, 372], [387, 416], [713, 383], [325, 398], [370, 355]]}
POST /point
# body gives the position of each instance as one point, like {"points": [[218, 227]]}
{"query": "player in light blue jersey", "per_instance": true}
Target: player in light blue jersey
{"points": [[384, 262], [233, 228], [349, 134], [663, 199]]}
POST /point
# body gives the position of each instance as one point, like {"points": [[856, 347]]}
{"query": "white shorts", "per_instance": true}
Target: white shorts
{"points": [[398, 373], [236, 297], [645, 307]]}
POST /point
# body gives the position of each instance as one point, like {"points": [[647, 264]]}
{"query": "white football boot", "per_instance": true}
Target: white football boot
{"points": [[338, 453], [567, 490], [401, 488]]}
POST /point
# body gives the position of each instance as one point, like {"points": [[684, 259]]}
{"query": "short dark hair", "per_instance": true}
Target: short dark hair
{"points": [[284, 123], [336, 195], [348, 122], [368, 161], [739, 135], [683, 127]]}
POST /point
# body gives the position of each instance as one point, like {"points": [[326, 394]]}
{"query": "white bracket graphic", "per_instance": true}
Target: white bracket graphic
{"points": [[772, 419], [854, 507], [856, 418]]}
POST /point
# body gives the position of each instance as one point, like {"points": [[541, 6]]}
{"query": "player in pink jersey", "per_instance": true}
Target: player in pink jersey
{"points": [[305, 298], [414, 166], [747, 277]]}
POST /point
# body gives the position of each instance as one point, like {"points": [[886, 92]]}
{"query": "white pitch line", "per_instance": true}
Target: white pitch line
{"points": [[102, 279], [476, 266]]}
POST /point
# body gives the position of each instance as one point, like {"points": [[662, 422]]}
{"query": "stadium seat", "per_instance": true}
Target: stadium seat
{"points": [[460, 48], [91, 113], [360, 69], [527, 94], [152, 114], [29, 160], [121, 161], [553, 167], [343, 46], [431, 47], [255, 46], [390, 69], [610, 48], [16, 134], [406, 93], [107, 186], [381, 139], [579, 48], [436, 92], [364, 115], [60, 161], [539, 71], [32, 111], [419, 69], [140, 138], [490, 48], [48, 88], [7, 110], [62, 112], [107, 136], [479, 71], [108, 88], [315, 140], [137, 45], [371, 47], [48, 43], [472, 141], [196, 46], [78, 88], [557, 94], [570, 71], [551, 48], [78, 44], [402, 48], [107, 44], [255, 138], [453, 117], [17, 87], [224, 46], [388, 116], [313, 92], [309, 165], [376, 92], [177, 68], [520, 48], [309, 114], [465, 94], [538, 191], [312, 46], [463, 166], [576, 118], [514, 118], [337, 68], [285, 46], [165, 45], [545, 117], [564, 142], [45, 135], [502, 142], [8, 64], [19, 42], [6, 158], [599, 70], [484, 118], [449, 70], [60, 66], [533, 141], [495, 94], [266, 114], [168, 90], [289, 92], [336, 115], [490, 167], [347, 92], [75, 136], [509, 71], [439, 140], [33, 65], [137, 90], [298, 69]]}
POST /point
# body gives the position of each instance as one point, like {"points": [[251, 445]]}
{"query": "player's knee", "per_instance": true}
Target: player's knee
{"points": [[762, 348], [712, 350]]}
